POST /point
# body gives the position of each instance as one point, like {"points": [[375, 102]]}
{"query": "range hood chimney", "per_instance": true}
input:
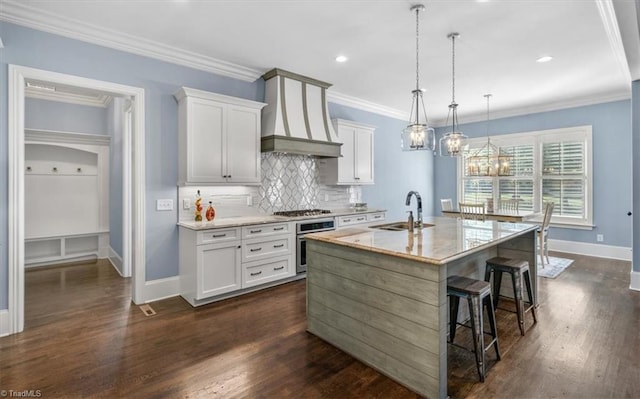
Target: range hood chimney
{"points": [[296, 118]]}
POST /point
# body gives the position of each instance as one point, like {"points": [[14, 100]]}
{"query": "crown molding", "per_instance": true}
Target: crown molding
{"points": [[20, 14], [358, 103], [548, 107], [101, 101], [612, 29]]}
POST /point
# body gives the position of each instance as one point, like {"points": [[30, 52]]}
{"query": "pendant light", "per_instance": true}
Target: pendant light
{"points": [[418, 135], [489, 160], [453, 141]]}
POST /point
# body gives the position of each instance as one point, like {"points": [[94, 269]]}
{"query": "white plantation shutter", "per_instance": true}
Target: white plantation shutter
{"points": [[477, 190], [547, 166], [563, 177], [520, 185]]}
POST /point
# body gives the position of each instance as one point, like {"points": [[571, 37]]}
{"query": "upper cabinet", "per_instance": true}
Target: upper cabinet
{"points": [[219, 138], [356, 164]]}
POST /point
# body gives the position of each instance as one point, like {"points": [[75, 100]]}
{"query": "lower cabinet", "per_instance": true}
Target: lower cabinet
{"points": [[218, 269], [219, 263], [360, 218], [260, 272]]}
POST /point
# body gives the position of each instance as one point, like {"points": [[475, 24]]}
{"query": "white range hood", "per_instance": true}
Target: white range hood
{"points": [[296, 118]]}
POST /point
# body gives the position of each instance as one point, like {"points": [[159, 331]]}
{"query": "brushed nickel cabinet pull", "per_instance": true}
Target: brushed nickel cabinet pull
{"points": [[278, 268], [218, 235], [256, 231], [255, 249], [278, 228], [346, 220], [278, 246], [256, 273], [359, 219]]}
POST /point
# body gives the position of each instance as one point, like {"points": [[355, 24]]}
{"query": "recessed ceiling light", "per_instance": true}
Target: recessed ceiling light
{"points": [[545, 58], [341, 58]]}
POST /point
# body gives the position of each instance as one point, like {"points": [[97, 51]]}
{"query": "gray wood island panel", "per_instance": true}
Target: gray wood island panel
{"points": [[381, 295]]}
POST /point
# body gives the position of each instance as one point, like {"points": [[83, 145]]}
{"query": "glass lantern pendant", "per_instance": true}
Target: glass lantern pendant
{"points": [[454, 142], [418, 135]]}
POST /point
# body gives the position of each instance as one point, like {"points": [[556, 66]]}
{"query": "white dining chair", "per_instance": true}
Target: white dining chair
{"points": [[509, 205], [543, 232], [471, 211], [447, 204]]}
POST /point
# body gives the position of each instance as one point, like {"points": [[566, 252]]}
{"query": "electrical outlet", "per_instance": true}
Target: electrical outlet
{"points": [[164, 205], [186, 204], [600, 237]]}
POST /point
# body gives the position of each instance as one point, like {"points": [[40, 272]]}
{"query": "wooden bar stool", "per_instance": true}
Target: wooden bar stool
{"points": [[519, 271], [478, 294]]}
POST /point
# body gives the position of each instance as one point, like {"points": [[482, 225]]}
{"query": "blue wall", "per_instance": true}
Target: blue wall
{"points": [[115, 125], [612, 157], [395, 172], [65, 117]]}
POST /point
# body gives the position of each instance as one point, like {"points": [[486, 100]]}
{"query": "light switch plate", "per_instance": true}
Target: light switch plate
{"points": [[164, 205], [186, 204]]}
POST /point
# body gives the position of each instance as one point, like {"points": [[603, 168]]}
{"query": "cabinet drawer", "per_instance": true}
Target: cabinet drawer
{"points": [[266, 248], [217, 235], [255, 273], [351, 220], [262, 230], [375, 217]]}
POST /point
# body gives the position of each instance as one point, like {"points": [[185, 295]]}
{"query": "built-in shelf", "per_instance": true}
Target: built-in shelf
{"points": [[66, 196]]}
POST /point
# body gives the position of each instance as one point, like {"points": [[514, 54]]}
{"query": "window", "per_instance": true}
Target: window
{"points": [[547, 166]]}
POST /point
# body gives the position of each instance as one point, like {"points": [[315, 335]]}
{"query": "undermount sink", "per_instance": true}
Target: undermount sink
{"points": [[398, 226]]}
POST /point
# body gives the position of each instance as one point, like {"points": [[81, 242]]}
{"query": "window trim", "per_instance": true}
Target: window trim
{"points": [[537, 139]]}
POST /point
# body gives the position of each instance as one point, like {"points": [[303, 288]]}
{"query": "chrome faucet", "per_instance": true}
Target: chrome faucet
{"points": [[419, 198]]}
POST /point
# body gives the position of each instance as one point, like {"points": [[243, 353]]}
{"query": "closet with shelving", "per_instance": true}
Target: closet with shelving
{"points": [[66, 196]]}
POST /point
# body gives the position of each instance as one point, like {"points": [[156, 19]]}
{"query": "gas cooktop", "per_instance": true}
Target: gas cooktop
{"points": [[303, 212]]}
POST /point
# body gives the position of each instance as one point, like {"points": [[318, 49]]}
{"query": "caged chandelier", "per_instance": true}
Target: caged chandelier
{"points": [[489, 160], [418, 135]]}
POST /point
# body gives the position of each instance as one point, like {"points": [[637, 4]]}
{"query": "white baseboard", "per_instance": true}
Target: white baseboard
{"points": [[585, 248], [4, 322], [156, 290], [116, 261], [635, 281]]}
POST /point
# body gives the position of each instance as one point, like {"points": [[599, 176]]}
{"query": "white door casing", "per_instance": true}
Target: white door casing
{"points": [[133, 181]]}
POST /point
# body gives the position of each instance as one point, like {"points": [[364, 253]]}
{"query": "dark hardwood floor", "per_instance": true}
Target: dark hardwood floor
{"points": [[84, 338]]}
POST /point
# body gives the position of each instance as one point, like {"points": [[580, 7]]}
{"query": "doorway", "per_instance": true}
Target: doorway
{"points": [[133, 184]]}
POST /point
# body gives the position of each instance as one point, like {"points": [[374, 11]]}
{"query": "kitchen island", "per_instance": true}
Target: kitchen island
{"points": [[381, 295]]}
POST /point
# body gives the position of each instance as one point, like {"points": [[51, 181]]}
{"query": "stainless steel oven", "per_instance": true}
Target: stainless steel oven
{"points": [[306, 227]]}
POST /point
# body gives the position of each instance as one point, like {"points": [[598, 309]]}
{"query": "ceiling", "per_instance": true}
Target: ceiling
{"points": [[595, 45]]}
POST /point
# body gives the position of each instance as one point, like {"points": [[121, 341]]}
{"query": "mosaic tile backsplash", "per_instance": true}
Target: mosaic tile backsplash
{"points": [[288, 182]]}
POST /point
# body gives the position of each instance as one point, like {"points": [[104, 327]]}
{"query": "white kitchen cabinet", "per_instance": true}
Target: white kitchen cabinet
{"points": [[223, 262], [267, 253], [218, 269], [219, 140], [359, 218], [356, 164], [210, 263]]}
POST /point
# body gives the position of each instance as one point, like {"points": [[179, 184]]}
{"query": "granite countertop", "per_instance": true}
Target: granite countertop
{"points": [[239, 221], [446, 240]]}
